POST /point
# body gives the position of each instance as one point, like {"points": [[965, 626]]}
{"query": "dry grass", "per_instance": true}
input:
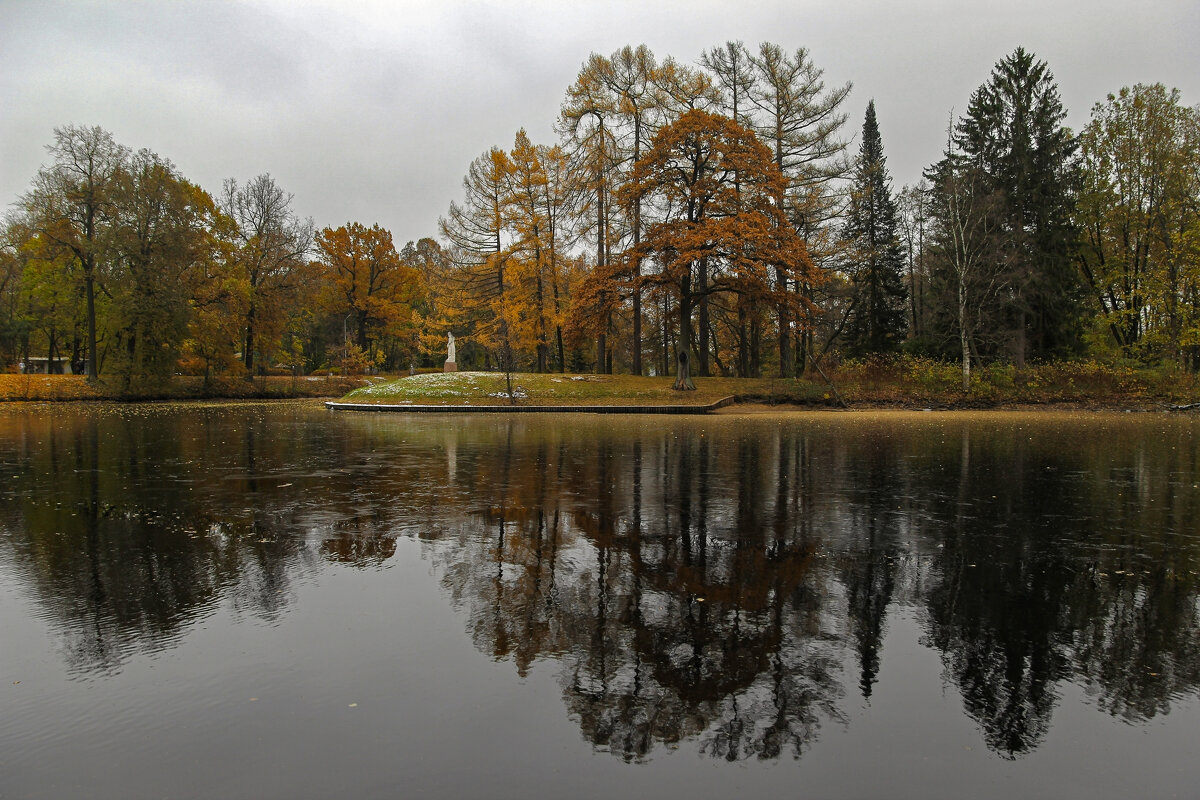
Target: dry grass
{"points": [[76, 387]]}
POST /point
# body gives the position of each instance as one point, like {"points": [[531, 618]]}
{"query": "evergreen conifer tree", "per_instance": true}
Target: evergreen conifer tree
{"points": [[876, 259], [1013, 133]]}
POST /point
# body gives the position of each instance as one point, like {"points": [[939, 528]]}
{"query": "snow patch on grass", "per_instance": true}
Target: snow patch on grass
{"points": [[431, 386]]}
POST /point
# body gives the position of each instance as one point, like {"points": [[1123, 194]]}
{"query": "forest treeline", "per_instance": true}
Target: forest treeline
{"points": [[725, 218]]}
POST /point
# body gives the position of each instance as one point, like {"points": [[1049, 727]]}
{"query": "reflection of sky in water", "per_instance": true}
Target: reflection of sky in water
{"points": [[746, 587]]}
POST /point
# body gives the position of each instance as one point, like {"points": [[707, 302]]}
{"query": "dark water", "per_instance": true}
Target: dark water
{"points": [[278, 601]]}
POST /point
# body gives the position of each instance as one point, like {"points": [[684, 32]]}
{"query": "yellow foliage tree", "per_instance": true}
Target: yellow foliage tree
{"points": [[367, 283]]}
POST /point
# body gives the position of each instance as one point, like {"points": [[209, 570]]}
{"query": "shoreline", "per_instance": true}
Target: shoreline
{"points": [[483, 392], [724, 406]]}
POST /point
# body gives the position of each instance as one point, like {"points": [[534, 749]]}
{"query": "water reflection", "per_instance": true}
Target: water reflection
{"points": [[725, 580], [720, 581]]}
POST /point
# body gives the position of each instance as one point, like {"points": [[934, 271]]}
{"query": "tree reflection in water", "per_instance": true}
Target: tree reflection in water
{"points": [[722, 580], [715, 583]]}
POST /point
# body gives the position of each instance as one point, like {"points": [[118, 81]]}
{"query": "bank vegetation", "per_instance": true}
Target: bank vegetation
{"points": [[724, 219]]}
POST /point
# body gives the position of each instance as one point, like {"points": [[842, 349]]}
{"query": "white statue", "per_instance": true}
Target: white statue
{"points": [[450, 349]]}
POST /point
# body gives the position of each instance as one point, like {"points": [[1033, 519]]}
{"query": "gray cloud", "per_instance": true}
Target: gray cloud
{"points": [[372, 111]]}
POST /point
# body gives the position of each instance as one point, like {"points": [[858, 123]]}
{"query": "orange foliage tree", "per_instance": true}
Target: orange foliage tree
{"points": [[367, 282], [713, 189]]}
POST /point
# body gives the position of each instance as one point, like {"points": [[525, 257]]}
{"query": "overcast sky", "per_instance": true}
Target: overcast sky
{"points": [[371, 111]]}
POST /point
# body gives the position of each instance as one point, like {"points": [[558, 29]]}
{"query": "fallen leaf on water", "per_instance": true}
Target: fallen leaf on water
{"points": [[353, 705]]}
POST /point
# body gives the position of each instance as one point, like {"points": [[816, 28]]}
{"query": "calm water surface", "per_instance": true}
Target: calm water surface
{"points": [[252, 601]]}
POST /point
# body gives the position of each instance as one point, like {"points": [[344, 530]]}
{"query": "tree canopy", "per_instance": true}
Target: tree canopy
{"points": [[702, 218]]}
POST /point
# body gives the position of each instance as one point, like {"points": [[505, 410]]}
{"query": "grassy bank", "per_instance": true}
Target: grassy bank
{"points": [[890, 383], [879, 383], [76, 387]]}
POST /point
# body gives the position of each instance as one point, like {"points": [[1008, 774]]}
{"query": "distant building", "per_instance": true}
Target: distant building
{"points": [[38, 365]]}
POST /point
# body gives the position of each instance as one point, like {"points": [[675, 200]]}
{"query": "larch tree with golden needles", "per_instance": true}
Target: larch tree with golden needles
{"points": [[367, 283], [529, 255], [434, 294], [536, 204], [474, 230], [561, 203], [719, 229], [587, 123]]}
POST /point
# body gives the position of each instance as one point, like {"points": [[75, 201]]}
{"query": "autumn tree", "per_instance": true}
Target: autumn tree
{"points": [[367, 283], [734, 76], [874, 257], [162, 232], [783, 97], [630, 75], [474, 230], [718, 225], [680, 88], [47, 296], [271, 246], [536, 202], [219, 297], [71, 207], [612, 110], [12, 322], [1139, 213], [434, 270], [587, 122]]}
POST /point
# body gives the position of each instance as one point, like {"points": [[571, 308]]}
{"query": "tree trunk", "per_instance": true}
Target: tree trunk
{"points": [[1019, 356], [637, 259], [89, 281], [702, 362], [248, 356], [743, 335], [755, 346], [683, 372], [785, 332], [665, 351], [964, 339], [683, 348]]}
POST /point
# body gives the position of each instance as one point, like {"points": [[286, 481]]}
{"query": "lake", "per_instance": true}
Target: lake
{"points": [[275, 600]]}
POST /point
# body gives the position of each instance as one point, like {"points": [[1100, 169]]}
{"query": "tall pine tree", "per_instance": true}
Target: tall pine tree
{"points": [[1013, 133], [877, 320]]}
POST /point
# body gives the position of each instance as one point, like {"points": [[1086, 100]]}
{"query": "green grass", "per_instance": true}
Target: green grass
{"points": [[896, 382], [488, 388]]}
